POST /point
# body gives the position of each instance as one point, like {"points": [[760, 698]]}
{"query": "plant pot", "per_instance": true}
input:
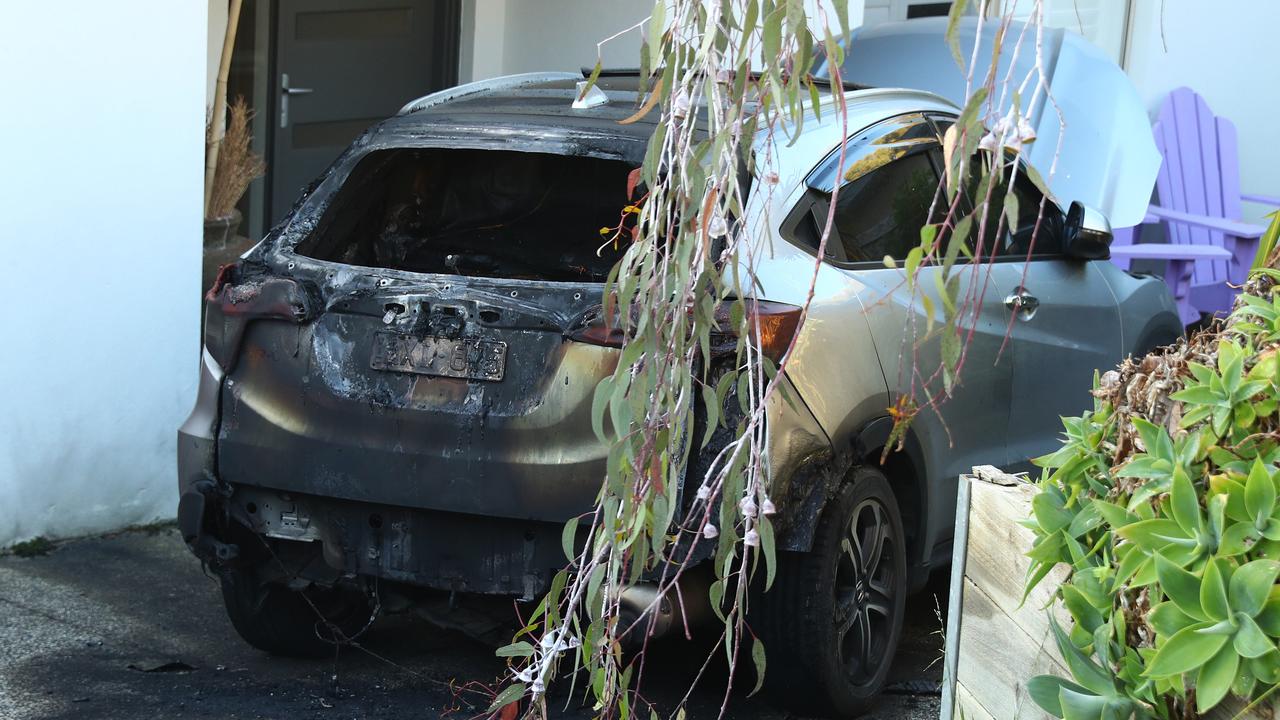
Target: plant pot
{"points": [[222, 245]]}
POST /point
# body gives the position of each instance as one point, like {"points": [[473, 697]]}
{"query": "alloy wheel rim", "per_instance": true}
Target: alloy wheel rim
{"points": [[864, 592]]}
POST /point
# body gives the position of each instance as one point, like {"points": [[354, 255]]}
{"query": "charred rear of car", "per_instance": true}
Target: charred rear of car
{"points": [[399, 392]]}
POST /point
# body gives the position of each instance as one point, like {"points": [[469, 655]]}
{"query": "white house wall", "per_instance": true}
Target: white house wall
{"points": [[1224, 51], [100, 205], [513, 36]]}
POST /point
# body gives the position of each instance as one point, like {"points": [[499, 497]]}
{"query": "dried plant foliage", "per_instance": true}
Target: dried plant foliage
{"points": [[238, 164]]}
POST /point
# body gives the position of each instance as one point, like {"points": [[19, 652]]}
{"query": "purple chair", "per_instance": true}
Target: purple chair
{"points": [[1199, 194]]}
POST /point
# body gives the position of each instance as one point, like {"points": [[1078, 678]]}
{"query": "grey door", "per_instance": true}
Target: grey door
{"points": [[1063, 323], [342, 65]]}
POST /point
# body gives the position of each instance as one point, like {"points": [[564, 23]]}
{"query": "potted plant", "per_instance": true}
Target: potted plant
{"points": [[237, 166]]}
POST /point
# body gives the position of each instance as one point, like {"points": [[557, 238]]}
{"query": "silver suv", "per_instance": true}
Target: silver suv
{"points": [[395, 393]]}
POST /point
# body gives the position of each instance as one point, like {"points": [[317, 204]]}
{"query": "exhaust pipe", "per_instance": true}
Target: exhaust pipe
{"points": [[643, 610]]}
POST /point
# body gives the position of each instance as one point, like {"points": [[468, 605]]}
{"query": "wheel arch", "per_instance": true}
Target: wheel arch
{"points": [[905, 469]]}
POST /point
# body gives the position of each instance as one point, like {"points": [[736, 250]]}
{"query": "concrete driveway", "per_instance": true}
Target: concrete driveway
{"points": [[126, 626]]}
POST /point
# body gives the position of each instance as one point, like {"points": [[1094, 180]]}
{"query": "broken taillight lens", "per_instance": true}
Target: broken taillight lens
{"points": [[597, 328], [234, 301], [776, 322]]}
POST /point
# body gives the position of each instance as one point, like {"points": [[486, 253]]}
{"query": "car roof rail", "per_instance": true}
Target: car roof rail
{"points": [[506, 82], [635, 72]]}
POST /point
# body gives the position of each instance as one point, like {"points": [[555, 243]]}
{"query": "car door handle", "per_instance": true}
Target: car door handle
{"points": [[1023, 303]]}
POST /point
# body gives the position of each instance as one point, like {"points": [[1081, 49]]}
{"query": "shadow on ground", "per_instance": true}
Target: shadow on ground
{"points": [[127, 626]]}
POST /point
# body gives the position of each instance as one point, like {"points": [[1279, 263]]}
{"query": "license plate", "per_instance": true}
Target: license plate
{"points": [[470, 358]]}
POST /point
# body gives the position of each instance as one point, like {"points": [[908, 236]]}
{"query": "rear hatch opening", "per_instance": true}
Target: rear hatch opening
{"points": [[476, 213]]}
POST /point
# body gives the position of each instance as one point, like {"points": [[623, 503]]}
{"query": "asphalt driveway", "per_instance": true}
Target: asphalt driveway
{"points": [[127, 626]]}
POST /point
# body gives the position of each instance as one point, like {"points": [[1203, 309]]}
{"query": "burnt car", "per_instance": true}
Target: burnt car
{"points": [[395, 393]]}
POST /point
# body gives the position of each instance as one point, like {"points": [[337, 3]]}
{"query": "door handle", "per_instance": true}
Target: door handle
{"points": [[1023, 303], [286, 92]]}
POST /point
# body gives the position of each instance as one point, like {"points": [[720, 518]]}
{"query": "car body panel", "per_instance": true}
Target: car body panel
{"points": [[1053, 361]]}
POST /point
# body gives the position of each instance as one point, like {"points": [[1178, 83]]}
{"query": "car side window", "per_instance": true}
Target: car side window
{"points": [[1026, 233], [1018, 242], [881, 213], [887, 183]]}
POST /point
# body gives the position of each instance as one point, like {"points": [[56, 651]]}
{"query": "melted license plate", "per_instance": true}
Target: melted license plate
{"points": [[470, 358]]}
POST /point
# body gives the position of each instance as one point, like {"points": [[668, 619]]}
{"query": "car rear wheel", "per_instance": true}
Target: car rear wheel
{"points": [[834, 616], [297, 623]]}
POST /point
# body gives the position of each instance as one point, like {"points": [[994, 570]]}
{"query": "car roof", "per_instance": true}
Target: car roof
{"points": [[547, 99]]}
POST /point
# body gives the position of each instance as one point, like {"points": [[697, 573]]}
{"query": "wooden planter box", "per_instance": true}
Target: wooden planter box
{"points": [[994, 646]]}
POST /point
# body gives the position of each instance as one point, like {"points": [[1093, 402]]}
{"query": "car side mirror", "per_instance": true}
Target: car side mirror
{"points": [[1088, 233]]}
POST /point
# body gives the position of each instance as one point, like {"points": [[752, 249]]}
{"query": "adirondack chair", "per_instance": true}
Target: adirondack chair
{"points": [[1199, 204]]}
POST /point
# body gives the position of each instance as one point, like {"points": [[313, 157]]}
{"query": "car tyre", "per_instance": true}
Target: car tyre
{"points": [[830, 628], [281, 621]]}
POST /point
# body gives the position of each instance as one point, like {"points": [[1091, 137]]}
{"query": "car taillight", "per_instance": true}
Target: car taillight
{"points": [[233, 302], [777, 324], [597, 328]]}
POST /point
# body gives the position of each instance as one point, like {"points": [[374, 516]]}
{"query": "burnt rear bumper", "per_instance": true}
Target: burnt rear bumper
{"points": [[426, 548], [198, 485]]}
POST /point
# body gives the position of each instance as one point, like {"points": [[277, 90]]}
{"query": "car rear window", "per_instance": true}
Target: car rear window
{"points": [[482, 213]]}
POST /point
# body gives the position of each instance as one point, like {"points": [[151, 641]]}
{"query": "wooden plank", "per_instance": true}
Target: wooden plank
{"points": [[997, 658], [968, 707], [955, 601], [996, 559]]}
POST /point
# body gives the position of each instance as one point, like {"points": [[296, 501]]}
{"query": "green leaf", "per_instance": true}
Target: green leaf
{"points": [[1187, 650], [516, 649], [953, 31], [1155, 439], [657, 23], [1084, 613], [1215, 678], [1213, 591], [1082, 668], [1180, 586], [768, 549], [1237, 539], [1250, 641], [1146, 466], [1183, 503], [1081, 706], [1259, 492], [1268, 240], [1155, 534], [1115, 515], [1049, 513], [566, 539], [1269, 618], [1167, 619], [1197, 395], [510, 694], [1251, 584], [600, 401], [711, 403], [1044, 690], [758, 660]]}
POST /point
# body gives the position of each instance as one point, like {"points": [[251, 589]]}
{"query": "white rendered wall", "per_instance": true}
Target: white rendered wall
{"points": [[515, 36], [1226, 52], [100, 234]]}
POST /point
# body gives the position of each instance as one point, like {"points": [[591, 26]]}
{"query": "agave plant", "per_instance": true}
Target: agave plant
{"points": [[1166, 512]]}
